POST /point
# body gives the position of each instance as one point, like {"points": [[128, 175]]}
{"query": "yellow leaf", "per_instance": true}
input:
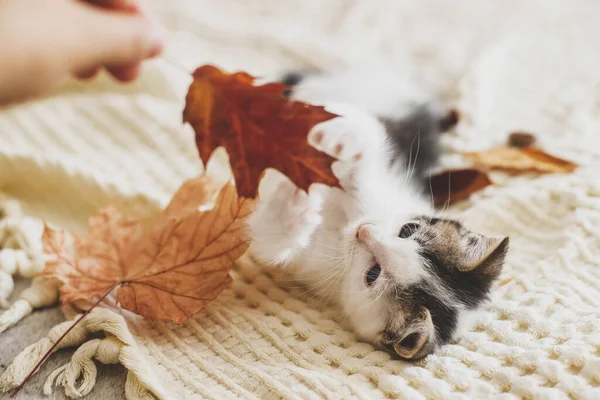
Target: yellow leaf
{"points": [[524, 159]]}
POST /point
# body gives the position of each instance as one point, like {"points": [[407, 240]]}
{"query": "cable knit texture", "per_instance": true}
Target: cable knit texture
{"points": [[506, 65]]}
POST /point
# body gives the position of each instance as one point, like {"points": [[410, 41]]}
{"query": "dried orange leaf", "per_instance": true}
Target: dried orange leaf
{"points": [[457, 184], [257, 126], [178, 268], [170, 272], [97, 266], [199, 193], [102, 247], [192, 195], [525, 159], [54, 247]]}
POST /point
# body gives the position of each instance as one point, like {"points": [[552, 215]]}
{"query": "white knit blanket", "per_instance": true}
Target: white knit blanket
{"points": [[506, 65]]}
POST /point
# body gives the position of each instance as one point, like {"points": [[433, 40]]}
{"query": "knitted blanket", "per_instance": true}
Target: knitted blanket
{"points": [[506, 65]]}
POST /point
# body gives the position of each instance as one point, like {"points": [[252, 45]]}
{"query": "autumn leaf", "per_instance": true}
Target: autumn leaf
{"points": [[521, 159], [520, 139], [257, 126], [457, 184], [199, 193], [169, 272], [192, 195], [98, 265], [178, 268]]}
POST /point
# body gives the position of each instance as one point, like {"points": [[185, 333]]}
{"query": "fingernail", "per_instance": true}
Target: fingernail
{"points": [[157, 41]]}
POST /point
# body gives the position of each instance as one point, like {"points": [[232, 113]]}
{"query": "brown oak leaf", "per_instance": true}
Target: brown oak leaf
{"points": [[169, 272], [257, 126], [457, 184], [521, 159]]}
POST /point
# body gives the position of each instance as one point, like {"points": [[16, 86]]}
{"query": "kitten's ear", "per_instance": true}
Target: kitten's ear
{"points": [[418, 339], [485, 255]]}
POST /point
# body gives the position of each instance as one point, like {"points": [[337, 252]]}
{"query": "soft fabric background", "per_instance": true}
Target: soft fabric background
{"points": [[506, 65]]}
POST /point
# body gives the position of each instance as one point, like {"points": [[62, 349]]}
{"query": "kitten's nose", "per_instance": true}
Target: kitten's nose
{"points": [[363, 233]]}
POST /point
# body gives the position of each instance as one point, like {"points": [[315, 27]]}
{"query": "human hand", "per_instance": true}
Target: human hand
{"points": [[43, 42]]}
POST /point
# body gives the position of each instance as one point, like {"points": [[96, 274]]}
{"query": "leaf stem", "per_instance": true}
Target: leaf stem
{"points": [[33, 371]]}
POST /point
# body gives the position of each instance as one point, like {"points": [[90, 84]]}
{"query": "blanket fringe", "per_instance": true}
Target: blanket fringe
{"points": [[42, 293], [82, 366], [134, 389], [21, 250], [118, 346]]}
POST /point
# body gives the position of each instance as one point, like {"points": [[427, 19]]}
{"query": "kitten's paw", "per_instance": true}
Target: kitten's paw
{"points": [[338, 138], [288, 215], [285, 219], [345, 172], [297, 212], [351, 136]]}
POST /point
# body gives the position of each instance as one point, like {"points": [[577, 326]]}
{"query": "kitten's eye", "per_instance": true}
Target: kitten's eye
{"points": [[408, 230], [372, 274]]}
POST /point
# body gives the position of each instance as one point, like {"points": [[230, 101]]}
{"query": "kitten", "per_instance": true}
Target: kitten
{"points": [[403, 277]]}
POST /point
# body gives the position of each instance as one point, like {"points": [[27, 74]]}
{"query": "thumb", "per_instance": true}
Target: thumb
{"points": [[109, 38]]}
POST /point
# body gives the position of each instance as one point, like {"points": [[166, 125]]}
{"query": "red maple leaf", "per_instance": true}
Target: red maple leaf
{"points": [[257, 126]]}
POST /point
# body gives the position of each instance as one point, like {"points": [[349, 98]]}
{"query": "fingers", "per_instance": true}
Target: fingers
{"points": [[125, 74], [119, 41], [88, 74], [40, 50], [123, 5], [122, 73]]}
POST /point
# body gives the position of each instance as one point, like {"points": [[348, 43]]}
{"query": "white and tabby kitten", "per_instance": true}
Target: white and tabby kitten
{"points": [[403, 277]]}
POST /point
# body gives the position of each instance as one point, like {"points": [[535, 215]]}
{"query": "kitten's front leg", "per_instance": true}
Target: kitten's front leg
{"points": [[356, 139], [286, 217], [353, 135]]}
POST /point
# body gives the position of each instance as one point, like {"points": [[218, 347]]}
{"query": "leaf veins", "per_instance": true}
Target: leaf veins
{"points": [[257, 126], [169, 272]]}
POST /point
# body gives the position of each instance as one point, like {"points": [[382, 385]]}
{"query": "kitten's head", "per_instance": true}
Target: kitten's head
{"points": [[409, 283]]}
